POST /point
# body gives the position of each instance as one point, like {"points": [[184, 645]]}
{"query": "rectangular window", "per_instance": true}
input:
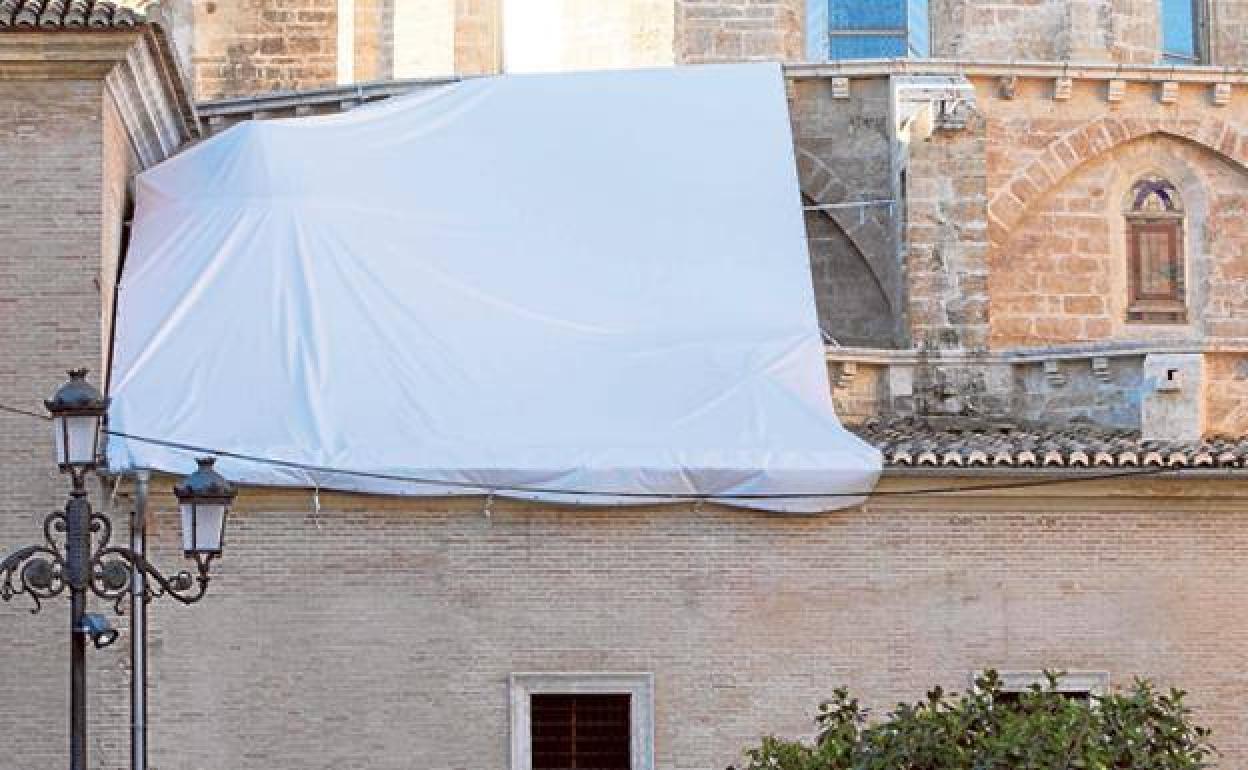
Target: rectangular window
{"points": [[580, 731], [582, 721], [868, 29], [1075, 685], [1181, 31], [1155, 271]]}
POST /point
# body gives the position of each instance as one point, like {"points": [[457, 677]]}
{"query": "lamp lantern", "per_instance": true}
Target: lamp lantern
{"points": [[77, 410], [204, 500]]}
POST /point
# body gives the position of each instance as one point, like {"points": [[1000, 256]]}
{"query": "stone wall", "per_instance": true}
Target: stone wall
{"points": [[1065, 391], [377, 630], [244, 47], [1058, 180], [1023, 30], [239, 47], [844, 156], [739, 30], [1229, 33], [1047, 30], [1126, 31], [373, 46], [636, 33], [1227, 394], [478, 37], [946, 229]]}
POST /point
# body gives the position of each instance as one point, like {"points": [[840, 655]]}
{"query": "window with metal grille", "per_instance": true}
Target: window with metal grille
{"points": [[1074, 685], [580, 732], [1156, 274], [1182, 31], [868, 29]]}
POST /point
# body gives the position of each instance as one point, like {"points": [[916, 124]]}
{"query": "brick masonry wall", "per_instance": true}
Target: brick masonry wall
{"points": [[119, 164], [55, 150], [739, 30], [245, 47], [378, 631], [1057, 180]]}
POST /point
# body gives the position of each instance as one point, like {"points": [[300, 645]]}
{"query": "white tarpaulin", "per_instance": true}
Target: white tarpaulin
{"points": [[547, 287]]}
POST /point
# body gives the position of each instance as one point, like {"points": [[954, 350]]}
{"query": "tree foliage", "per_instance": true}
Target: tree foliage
{"points": [[1141, 728]]}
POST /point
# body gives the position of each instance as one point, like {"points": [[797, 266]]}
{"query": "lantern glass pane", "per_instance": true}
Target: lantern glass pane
{"points": [[76, 438], [203, 525], [58, 435]]}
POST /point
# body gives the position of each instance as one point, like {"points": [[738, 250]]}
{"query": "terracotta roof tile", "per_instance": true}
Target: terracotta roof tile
{"points": [[958, 442], [28, 15]]}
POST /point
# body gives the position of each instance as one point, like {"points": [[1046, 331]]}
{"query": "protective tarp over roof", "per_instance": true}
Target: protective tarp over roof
{"points": [[588, 288]]}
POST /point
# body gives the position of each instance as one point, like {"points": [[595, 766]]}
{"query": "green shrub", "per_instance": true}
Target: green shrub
{"points": [[1042, 729]]}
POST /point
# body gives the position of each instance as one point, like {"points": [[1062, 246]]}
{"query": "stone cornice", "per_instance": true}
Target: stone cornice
{"points": [[136, 66], [982, 68], [1074, 351], [223, 112]]}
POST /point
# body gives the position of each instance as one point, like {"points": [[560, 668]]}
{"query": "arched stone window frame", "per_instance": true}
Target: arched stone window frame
{"points": [[1156, 251]]}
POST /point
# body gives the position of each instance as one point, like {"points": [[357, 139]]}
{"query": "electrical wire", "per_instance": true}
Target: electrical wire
{"points": [[24, 412], [491, 488]]}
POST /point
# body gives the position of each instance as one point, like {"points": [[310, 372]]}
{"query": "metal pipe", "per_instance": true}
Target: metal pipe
{"points": [[138, 628], [77, 552]]}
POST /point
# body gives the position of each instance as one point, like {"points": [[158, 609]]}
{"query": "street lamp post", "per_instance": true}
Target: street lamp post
{"points": [[77, 555]]}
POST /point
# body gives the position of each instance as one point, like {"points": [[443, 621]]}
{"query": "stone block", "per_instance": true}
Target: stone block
{"points": [[1173, 403]]}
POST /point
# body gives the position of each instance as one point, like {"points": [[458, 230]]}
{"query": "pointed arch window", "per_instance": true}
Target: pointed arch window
{"points": [[1156, 270]]}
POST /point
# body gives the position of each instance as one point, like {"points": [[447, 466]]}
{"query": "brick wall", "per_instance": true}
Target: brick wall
{"points": [[55, 151], [379, 630]]}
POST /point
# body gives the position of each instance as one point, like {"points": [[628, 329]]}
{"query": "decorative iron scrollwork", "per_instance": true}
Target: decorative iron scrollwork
{"points": [[38, 571]]}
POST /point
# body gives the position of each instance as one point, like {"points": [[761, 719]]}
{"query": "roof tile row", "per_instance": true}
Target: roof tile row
{"points": [[973, 443], [66, 14]]}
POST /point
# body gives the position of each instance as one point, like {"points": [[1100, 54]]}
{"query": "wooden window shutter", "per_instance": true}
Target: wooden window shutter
{"points": [[1155, 271], [580, 732]]}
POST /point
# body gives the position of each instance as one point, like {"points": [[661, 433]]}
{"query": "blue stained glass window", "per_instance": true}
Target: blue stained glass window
{"points": [[867, 14], [919, 25], [869, 29], [1179, 25], [866, 47]]}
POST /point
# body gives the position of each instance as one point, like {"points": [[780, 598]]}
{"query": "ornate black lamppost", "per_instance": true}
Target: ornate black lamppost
{"points": [[77, 556]]}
